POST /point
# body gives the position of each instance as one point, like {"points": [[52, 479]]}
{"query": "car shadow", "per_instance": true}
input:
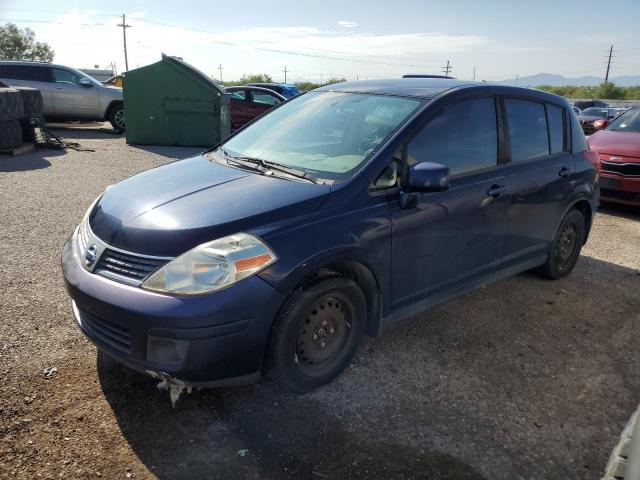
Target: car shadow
{"points": [[525, 378], [256, 431], [33, 160], [629, 212], [83, 132]]}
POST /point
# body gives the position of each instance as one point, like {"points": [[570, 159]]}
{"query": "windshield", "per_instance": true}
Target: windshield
{"points": [[594, 112], [327, 134], [629, 121]]}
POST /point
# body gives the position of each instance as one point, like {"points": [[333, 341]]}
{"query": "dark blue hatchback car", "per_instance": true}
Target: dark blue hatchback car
{"points": [[333, 216]]}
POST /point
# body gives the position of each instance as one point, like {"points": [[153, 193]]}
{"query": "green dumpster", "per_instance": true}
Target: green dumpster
{"points": [[172, 103]]}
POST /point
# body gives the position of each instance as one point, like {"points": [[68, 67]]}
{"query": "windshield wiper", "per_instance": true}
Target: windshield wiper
{"points": [[269, 166]]}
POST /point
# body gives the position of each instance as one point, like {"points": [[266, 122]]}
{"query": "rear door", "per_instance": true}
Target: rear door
{"points": [[239, 108], [452, 238], [33, 76], [72, 99], [540, 171], [262, 102]]}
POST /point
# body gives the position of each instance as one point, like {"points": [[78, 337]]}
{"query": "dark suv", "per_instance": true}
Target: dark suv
{"points": [[330, 217]]}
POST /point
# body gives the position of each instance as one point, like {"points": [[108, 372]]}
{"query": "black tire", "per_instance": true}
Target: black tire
{"points": [[317, 333], [10, 134], [10, 104], [32, 102], [116, 117], [566, 246]]}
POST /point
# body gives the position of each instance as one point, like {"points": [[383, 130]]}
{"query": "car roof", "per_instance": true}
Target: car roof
{"points": [[253, 88], [274, 84], [429, 88]]}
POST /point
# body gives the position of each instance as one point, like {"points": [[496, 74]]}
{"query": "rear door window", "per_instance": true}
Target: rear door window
{"points": [[555, 118], [464, 137], [527, 129]]}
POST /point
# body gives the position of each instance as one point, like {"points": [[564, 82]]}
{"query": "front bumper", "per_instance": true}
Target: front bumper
{"points": [[619, 189], [200, 340]]}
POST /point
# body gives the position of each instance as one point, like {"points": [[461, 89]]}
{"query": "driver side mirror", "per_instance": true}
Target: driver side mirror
{"points": [[85, 82], [428, 177]]}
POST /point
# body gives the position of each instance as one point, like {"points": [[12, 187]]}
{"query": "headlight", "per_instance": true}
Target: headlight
{"points": [[212, 266]]}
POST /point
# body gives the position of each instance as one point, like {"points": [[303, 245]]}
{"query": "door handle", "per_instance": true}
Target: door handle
{"points": [[564, 172], [496, 190]]}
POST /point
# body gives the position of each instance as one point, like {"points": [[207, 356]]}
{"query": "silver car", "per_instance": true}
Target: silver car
{"points": [[68, 94]]}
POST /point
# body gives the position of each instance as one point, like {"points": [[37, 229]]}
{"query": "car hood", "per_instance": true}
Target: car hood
{"points": [[589, 118], [611, 142], [171, 209]]}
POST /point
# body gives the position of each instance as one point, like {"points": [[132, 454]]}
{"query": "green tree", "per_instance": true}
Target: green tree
{"points": [[610, 91], [18, 44], [256, 78]]}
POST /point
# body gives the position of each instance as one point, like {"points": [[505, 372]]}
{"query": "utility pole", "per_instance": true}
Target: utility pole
{"points": [[606, 77], [124, 37], [220, 68], [517, 79], [474, 74], [285, 73], [321, 79], [446, 69]]}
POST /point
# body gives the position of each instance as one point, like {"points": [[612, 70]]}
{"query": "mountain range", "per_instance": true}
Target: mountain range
{"points": [[560, 80]]}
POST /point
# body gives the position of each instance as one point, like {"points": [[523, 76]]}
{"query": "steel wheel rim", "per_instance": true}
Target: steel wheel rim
{"points": [[322, 336], [566, 245], [119, 118]]}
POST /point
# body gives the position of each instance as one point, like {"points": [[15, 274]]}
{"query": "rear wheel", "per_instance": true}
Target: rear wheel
{"points": [[566, 246], [116, 117], [317, 333]]}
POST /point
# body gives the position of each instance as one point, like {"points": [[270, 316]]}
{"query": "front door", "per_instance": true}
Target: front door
{"points": [[72, 99], [453, 238]]}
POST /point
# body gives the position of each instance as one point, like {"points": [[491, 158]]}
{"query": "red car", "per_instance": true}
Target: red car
{"points": [[247, 103], [619, 148]]}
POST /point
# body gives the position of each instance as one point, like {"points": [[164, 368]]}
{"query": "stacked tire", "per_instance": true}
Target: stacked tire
{"points": [[18, 105]]}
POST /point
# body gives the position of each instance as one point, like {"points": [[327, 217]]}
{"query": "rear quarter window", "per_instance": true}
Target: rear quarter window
{"points": [[30, 73], [527, 126], [555, 118]]}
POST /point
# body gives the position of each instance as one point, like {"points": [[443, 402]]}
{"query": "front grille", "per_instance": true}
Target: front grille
{"points": [[588, 128], [128, 265], [106, 333], [626, 169]]}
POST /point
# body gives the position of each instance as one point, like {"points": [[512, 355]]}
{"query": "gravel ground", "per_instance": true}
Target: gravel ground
{"points": [[523, 379]]}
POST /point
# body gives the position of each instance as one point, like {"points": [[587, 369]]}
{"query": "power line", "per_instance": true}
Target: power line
{"points": [[254, 47]]}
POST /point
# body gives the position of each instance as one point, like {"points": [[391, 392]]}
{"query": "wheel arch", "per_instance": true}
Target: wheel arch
{"points": [[584, 207], [348, 265], [111, 106]]}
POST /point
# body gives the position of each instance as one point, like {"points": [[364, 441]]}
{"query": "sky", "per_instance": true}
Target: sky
{"points": [[355, 39]]}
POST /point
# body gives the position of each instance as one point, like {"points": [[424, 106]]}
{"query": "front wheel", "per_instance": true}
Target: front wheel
{"points": [[566, 246], [116, 117], [317, 333]]}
